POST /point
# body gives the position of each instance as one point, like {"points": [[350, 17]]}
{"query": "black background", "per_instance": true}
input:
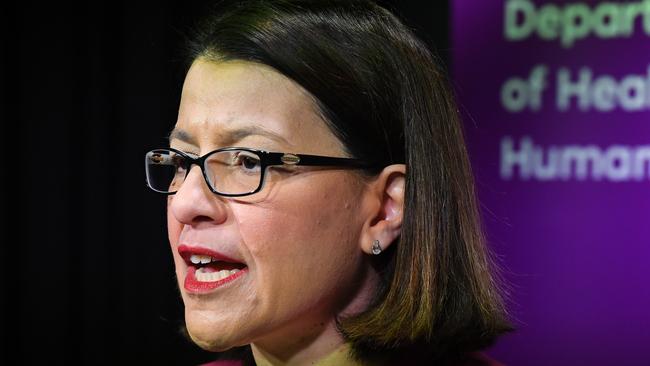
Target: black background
{"points": [[87, 276]]}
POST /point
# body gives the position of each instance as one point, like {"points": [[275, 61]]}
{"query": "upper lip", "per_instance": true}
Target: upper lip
{"points": [[186, 251]]}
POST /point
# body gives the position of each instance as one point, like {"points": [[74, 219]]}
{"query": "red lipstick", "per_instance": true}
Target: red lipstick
{"points": [[195, 286], [186, 252], [218, 262]]}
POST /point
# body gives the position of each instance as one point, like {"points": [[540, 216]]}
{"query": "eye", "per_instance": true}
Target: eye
{"points": [[179, 163], [248, 162]]}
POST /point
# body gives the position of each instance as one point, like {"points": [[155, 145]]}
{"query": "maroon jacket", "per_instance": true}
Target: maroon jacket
{"points": [[476, 359]]}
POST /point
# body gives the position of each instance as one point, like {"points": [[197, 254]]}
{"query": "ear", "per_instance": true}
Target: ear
{"points": [[384, 209]]}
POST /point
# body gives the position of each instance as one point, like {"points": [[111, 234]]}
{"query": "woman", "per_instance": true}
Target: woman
{"points": [[321, 205]]}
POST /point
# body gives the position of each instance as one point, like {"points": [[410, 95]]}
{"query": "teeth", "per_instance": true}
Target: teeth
{"points": [[200, 259], [202, 276]]}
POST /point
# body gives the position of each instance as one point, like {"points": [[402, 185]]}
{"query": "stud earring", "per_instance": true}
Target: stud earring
{"points": [[376, 248]]}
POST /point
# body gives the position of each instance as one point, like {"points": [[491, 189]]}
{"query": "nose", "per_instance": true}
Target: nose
{"points": [[194, 202]]}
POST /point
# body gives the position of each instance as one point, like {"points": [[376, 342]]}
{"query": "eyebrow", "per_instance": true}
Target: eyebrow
{"points": [[178, 134], [230, 136]]}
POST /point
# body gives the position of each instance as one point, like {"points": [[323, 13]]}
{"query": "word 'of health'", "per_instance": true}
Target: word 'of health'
{"points": [[602, 93]]}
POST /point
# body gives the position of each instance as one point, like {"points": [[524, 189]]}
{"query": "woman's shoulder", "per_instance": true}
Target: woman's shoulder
{"points": [[223, 363], [472, 359], [469, 359]]}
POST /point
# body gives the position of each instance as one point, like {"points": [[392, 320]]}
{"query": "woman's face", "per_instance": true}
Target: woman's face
{"points": [[296, 243]]}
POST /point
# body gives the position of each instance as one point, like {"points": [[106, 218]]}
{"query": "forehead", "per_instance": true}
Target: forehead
{"points": [[225, 96], [210, 81]]}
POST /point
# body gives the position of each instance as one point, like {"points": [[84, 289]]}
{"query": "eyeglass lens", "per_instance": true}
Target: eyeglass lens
{"points": [[227, 172]]}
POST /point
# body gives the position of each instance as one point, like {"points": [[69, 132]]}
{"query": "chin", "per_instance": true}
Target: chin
{"points": [[209, 339], [209, 344], [211, 336]]}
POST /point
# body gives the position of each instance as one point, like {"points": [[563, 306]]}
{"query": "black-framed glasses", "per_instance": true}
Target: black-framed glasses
{"points": [[229, 171]]}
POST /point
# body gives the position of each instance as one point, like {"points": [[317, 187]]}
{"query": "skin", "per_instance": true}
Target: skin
{"points": [[305, 238]]}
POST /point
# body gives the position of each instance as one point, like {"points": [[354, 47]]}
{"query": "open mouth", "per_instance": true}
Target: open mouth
{"points": [[208, 270]]}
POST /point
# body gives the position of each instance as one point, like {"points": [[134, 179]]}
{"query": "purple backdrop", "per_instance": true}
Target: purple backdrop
{"points": [[555, 96]]}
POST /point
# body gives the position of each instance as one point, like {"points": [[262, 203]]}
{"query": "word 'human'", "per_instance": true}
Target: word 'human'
{"points": [[618, 163]]}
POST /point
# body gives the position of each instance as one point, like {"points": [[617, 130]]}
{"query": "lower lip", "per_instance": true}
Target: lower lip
{"points": [[195, 286]]}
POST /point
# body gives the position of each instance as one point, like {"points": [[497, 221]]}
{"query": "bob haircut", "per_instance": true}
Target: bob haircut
{"points": [[383, 94]]}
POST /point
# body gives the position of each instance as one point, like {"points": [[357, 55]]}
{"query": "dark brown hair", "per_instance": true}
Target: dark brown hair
{"points": [[384, 95]]}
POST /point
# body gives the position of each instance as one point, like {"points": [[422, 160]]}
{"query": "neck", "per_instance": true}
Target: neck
{"points": [[292, 347], [339, 356], [315, 341]]}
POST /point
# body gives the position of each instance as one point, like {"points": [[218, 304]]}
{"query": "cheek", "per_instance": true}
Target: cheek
{"points": [[294, 226], [302, 243], [173, 226], [174, 229]]}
